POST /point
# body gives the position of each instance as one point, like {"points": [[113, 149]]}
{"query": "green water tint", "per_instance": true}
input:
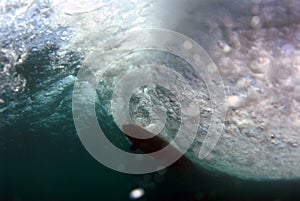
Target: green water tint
{"points": [[39, 166]]}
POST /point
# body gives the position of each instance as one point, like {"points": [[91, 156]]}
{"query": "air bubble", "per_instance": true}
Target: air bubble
{"points": [[136, 193], [187, 45], [255, 21]]}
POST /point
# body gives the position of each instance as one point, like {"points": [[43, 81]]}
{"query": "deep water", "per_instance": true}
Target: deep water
{"points": [[36, 165]]}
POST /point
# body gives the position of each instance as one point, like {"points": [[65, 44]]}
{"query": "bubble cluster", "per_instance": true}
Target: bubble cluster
{"points": [[129, 79], [256, 47]]}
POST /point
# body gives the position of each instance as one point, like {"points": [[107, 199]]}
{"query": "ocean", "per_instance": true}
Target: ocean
{"points": [[62, 59]]}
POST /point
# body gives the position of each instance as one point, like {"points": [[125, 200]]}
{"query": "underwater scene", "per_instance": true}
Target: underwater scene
{"points": [[149, 100]]}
